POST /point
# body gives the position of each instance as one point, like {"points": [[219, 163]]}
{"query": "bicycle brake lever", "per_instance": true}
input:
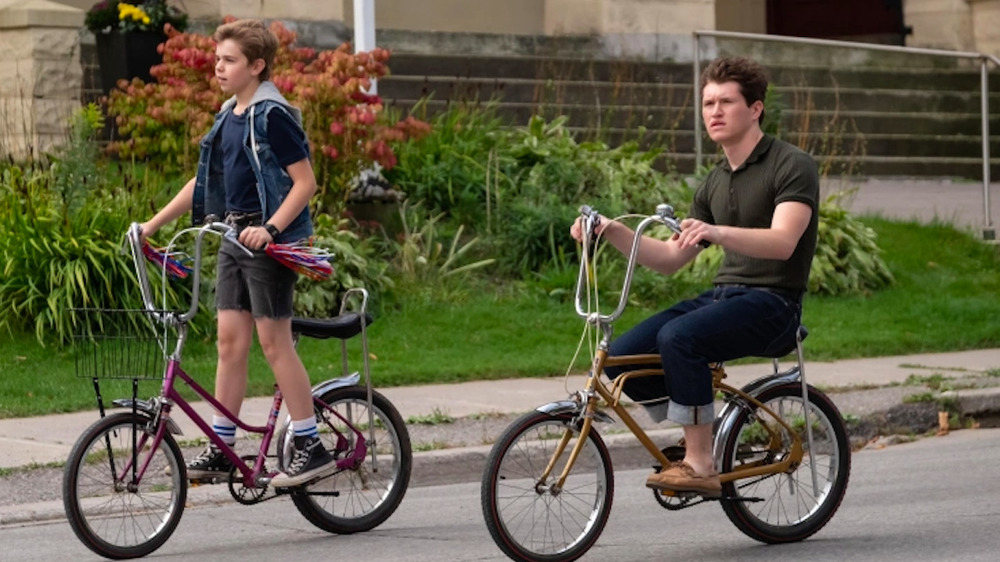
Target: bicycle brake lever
{"points": [[666, 212], [234, 238]]}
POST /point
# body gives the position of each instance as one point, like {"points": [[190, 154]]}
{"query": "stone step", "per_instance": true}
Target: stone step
{"points": [[681, 117], [606, 94], [872, 166], [577, 69]]}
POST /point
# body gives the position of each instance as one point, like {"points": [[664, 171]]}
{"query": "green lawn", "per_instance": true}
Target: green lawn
{"points": [[944, 299]]}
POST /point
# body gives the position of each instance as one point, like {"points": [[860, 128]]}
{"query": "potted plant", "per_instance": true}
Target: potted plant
{"points": [[128, 34]]}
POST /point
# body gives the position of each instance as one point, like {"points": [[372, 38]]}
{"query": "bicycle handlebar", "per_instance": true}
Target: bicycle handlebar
{"points": [[134, 236], [664, 215]]}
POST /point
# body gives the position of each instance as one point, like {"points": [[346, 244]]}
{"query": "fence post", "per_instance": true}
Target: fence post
{"points": [[989, 233], [697, 105]]}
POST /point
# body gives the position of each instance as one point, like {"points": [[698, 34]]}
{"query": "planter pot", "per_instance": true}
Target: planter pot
{"points": [[127, 55], [383, 213]]}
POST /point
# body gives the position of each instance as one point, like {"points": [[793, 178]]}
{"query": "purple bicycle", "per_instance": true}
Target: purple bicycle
{"points": [[125, 483]]}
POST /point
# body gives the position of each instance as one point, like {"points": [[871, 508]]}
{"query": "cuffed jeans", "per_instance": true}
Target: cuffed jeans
{"points": [[722, 324]]}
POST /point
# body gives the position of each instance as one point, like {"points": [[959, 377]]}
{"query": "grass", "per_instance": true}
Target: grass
{"points": [[944, 299]]}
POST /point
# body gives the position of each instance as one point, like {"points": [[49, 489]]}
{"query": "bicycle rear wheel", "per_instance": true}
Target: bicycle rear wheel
{"points": [[359, 499], [110, 513], [787, 507], [527, 518]]}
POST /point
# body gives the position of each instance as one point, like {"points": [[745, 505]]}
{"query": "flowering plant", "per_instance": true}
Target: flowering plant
{"points": [[108, 16]]}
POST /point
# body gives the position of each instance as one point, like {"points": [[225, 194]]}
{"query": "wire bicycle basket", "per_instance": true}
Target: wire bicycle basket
{"points": [[121, 344]]}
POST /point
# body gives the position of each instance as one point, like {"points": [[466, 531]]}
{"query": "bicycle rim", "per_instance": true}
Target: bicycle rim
{"points": [[112, 516], [527, 518], [360, 499], [788, 507]]}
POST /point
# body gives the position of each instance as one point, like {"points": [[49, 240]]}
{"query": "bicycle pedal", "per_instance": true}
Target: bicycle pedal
{"points": [[739, 499], [208, 481]]}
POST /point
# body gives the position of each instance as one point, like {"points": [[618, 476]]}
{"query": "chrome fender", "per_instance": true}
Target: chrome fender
{"points": [[322, 388], [571, 407], [726, 420], [145, 407]]}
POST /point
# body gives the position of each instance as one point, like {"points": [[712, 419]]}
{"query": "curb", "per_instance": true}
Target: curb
{"points": [[466, 464]]}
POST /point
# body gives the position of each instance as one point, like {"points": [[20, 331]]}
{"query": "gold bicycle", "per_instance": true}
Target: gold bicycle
{"points": [[780, 446]]}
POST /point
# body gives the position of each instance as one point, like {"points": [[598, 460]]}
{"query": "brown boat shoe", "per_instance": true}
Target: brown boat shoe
{"points": [[680, 477]]}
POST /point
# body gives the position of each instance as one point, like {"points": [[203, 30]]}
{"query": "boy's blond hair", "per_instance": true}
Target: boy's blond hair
{"points": [[255, 40]]}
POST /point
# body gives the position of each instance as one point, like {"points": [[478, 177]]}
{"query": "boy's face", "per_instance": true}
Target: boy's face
{"points": [[726, 113], [232, 69]]}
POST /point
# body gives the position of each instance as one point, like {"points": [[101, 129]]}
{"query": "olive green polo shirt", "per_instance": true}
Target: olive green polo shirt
{"points": [[774, 172]]}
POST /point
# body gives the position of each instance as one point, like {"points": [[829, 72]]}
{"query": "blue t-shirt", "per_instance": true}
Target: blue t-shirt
{"points": [[287, 140]]}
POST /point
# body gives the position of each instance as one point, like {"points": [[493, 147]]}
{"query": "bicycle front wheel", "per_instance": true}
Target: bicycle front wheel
{"points": [[787, 507], [359, 499], [529, 518], [111, 513]]}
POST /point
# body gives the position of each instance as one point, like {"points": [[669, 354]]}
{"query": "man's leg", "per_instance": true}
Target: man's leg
{"points": [[740, 323]]}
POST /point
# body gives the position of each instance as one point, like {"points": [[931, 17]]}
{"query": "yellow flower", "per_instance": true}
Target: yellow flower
{"points": [[135, 13]]}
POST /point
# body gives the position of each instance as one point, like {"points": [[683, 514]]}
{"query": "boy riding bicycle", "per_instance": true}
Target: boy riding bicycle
{"points": [[254, 170], [760, 204]]}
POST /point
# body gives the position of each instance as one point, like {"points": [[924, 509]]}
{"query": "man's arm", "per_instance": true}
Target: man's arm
{"points": [[778, 242], [662, 256]]}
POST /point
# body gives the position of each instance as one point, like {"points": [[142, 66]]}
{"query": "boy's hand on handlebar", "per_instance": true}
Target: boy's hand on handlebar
{"points": [[145, 231], [255, 237], [697, 233]]}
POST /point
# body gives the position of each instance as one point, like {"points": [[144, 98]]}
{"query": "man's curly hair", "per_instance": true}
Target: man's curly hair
{"points": [[747, 73]]}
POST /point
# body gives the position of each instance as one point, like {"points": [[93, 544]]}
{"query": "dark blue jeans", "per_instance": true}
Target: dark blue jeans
{"points": [[722, 324]]}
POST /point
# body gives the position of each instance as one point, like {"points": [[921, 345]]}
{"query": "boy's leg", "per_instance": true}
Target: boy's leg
{"points": [[275, 336], [309, 458], [235, 334], [234, 331]]}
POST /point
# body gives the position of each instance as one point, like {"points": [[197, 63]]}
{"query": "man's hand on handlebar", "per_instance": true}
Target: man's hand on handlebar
{"points": [[696, 233]]}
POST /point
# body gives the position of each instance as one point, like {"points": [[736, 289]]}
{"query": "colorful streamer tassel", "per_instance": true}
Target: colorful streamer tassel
{"points": [[176, 268], [305, 259]]}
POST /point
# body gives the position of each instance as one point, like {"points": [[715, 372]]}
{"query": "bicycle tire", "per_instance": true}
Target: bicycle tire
{"points": [[356, 500], [514, 505], [790, 511], [108, 517]]}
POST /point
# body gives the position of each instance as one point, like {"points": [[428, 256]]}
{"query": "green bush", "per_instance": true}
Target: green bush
{"points": [[58, 253], [455, 168], [356, 263], [848, 259]]}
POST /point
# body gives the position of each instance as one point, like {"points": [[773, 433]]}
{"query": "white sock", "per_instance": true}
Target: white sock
{"points": [[305, 428], [225, 429]]}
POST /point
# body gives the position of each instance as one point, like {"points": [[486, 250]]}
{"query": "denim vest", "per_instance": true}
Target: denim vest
{"points": [[273, 182]]}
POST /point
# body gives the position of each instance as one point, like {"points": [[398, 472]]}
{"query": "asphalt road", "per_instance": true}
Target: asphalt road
{"points": [[931, 500]]}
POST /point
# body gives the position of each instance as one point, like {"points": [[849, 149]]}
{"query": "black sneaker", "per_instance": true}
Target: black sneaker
{"points": [[309, 460], [211, 463]]}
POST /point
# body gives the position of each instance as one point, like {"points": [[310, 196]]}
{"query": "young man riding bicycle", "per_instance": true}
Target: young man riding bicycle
{"points": [[760, 203]]}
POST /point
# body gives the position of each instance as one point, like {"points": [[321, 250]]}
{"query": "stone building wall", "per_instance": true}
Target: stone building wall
{"points": [[40, 75]]}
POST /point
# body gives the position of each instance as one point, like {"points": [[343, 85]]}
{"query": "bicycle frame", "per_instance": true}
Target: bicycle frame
{"points": [[159, 408], [252, 477], [585, 404]]}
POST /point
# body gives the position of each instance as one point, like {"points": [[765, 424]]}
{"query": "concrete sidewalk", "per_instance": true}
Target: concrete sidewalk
{"points": [[48, 439]]}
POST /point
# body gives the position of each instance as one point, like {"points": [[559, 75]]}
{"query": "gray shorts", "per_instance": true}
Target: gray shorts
{"points": [[257, 284]]}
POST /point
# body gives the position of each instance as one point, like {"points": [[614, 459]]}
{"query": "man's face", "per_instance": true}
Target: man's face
{"points": [[232, 69], [725, 112]]}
